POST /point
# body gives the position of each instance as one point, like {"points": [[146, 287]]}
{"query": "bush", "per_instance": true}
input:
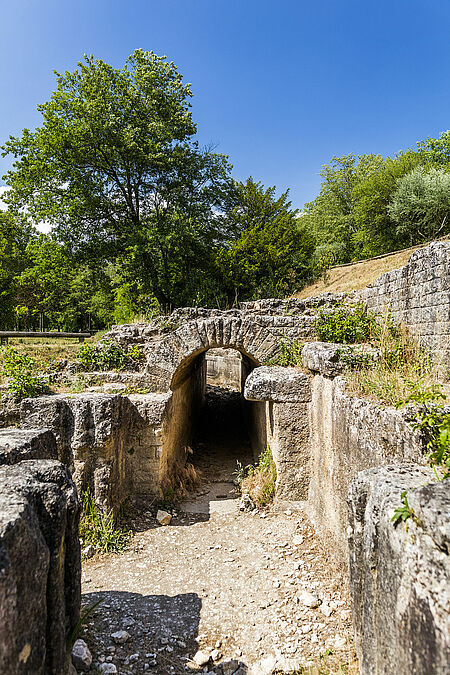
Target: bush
{"points": [[98, 528], [259, 481], [19, 369], [106, 356], [433, 421], [290, 354], [348, 325]]}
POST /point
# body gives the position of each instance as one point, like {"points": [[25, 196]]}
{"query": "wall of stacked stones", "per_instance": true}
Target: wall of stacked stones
{"points": [[418, 295]]}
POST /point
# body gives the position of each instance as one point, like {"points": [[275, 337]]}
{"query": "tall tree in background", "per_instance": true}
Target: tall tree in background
{"points": [[268, 251], [115, 170], [420, 206]]}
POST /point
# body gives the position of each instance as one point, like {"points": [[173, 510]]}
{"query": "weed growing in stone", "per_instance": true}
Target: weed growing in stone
{"points": [[403, 512], [98, 528], [19, 368], [433, 421], [290, 354], [260, 480]]}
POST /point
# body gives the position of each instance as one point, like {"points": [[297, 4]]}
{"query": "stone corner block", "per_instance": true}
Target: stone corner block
{"points": [[275, 383]]}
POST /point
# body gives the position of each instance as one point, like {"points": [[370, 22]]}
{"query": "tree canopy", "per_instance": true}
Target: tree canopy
{"points": [[143, 219]]}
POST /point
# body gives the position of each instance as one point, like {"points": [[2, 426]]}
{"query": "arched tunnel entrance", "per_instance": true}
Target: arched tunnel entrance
{"points": [[214, 430]]}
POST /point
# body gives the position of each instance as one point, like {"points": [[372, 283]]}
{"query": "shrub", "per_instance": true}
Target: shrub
{"points": [[99, 529], [433, 421], [348, 325], [290, 354], [19, 369], [260, 480], [106, 355]]}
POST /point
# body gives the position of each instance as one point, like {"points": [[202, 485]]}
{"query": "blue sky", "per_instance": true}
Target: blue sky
{"points": [[280, 86]]}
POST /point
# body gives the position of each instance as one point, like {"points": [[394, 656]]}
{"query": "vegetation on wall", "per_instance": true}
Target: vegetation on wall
{"points": [[142, 217]]}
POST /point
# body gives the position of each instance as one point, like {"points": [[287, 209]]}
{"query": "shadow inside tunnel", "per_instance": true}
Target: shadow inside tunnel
{"points": [[162, 633]]}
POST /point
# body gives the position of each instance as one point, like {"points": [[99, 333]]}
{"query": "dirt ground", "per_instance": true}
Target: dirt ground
{"points": [[254, 591]]}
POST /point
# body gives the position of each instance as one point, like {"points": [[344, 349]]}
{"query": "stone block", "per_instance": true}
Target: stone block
{"points": [[39, 567]]}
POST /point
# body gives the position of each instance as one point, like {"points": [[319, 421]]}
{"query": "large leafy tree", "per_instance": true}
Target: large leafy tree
{"points": [[115, 170], [267, 252], [420, 206], [13, 242], [331, 215], [375, 231]]}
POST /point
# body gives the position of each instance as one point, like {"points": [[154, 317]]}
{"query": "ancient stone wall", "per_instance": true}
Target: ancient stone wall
{"points": [[286, 393], [399, 574], [39, 562], [418, 295], [224, 368]]}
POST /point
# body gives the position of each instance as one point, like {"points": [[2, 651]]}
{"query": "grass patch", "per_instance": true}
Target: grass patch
{"points": [[259, 481], [402, 361], [98, 528]]}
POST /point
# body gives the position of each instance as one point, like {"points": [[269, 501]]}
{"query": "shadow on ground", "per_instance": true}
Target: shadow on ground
{"points": [[163, 633]]}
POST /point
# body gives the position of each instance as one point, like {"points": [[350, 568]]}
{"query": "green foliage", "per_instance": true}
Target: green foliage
{"points": [[260, 480], [346, 324], [290, 354], [98, 528], [420, 206], [19, 368], [433, 421], [403, 512], [269, 251], [106, 356]]}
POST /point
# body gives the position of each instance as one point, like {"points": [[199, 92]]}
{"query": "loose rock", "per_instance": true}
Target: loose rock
{"points": [[81, 656]]}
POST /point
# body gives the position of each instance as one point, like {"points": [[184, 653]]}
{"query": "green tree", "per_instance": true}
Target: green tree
{"points": [[420, 206], [269, 251], [115, 170], [331, 215], [375, 231], [43, 286], [13, 241], [436, 151]]}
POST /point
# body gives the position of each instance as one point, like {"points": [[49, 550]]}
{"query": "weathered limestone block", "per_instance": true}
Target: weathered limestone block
{"points": [[349, 435], [274, 383], [333, 359], [111, 443], [17, 445], [400, 575], [39, 567]]}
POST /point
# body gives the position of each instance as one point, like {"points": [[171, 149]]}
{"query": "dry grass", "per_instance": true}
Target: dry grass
{"points": [[402, 363], [358, 275]]}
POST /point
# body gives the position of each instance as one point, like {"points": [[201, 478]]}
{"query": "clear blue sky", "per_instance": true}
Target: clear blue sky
{"points": [[280, 86]]}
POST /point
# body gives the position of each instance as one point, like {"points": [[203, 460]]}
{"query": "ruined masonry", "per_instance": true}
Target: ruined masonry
{"points": [[345, 458]]}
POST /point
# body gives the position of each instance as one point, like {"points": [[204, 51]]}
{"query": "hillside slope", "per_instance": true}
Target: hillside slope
{"points": [[354, 276]]}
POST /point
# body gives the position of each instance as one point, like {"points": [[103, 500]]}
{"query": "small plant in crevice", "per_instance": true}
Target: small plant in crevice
{"points": [[432, 419], [19, 369], [259, 481], [98, 528], [403, 512], [79, 625], [290, 354]]}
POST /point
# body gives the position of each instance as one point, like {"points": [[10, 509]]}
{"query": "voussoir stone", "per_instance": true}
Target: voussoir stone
{"points": [[275, 383]]}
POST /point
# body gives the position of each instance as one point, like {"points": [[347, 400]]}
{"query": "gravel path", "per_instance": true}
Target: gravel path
{"points": [[236, 583]]}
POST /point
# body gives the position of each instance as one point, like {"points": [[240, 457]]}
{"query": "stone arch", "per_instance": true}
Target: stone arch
{"points": [[171, 360]]}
